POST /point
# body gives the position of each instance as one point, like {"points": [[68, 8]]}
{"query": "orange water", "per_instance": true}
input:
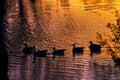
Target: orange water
{"points": [[59, 23]]}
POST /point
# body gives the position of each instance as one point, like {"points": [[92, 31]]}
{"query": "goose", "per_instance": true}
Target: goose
{"points": [[94, 48], [27, 50], [39, 53], [77, 50], [59, 52]]}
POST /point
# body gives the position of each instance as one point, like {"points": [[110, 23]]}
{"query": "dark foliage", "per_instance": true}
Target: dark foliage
{"points": [[112, 41]]}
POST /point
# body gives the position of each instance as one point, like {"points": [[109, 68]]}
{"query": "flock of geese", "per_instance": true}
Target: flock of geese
{"points": [[94, 48], [42, 53]]}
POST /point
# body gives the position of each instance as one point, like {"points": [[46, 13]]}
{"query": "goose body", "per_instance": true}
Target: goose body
{"points": [[27, 50], [94, 48], [59, 52], [77, 50], [41, 53]]}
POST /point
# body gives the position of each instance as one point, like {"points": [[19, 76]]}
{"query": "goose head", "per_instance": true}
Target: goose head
{"points": [[91, 42], [25, 44], [73, 45], [54, 48]]}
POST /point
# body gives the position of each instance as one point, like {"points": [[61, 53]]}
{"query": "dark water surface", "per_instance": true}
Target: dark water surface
{"points": [[59, 23]]}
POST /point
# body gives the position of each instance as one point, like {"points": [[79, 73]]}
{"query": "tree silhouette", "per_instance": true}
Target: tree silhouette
{"points": [[112, 41]]}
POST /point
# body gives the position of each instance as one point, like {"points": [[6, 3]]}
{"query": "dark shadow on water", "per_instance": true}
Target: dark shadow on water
{"points": [[57, 52], [78, 54], [97, 53]]}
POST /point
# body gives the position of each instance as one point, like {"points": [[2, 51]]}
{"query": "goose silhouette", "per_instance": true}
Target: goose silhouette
{"points": [[58, 52], [27, 50], [94, 48], [77, 50], [39, 53]]}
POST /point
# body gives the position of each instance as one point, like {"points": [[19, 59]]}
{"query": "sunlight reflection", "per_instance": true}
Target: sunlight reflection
{"points": [[60, 23], [87, 72]]}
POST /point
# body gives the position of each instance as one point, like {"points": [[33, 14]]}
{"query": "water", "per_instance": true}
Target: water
{"points": [[59, 23]]}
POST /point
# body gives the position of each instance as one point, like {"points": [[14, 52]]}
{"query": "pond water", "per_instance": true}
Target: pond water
{"points": [[59, 23]]}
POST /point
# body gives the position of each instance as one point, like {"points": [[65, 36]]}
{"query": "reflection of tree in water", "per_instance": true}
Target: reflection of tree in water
{"points": [[65, 3], [103, 71], [97, 1], [112, 42], [25, 31]]}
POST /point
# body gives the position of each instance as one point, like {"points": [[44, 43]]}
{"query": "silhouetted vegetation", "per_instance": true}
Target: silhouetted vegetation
{"points": [[112, 40], [3, 51]]}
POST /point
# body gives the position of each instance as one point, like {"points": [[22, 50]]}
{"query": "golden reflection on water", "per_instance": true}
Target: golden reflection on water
{"points": [[61, 23], [72, 21], [64, 22]]}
